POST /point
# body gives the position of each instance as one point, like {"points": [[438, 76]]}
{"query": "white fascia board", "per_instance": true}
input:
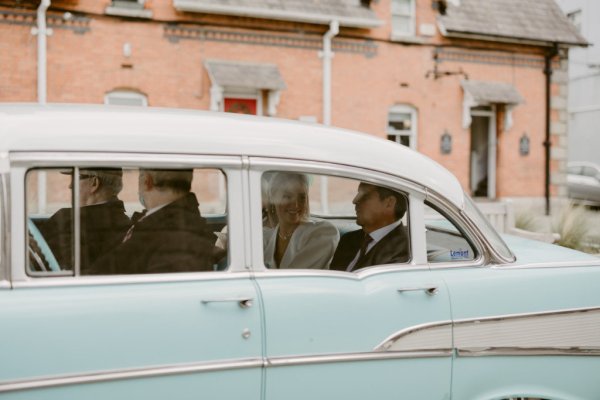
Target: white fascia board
{"points": [[506, 39], [192, 6]]}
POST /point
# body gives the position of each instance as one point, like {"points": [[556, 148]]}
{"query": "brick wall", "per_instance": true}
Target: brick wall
{"points": [[85, 61]]}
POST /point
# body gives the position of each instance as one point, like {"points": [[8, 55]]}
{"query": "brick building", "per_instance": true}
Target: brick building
{"points": [[462, 81]]}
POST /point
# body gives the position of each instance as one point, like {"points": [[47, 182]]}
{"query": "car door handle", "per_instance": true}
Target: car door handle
{"points": [[429, 289], [243, 302]]}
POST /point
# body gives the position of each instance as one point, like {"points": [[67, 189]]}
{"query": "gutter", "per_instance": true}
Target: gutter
{"points": [[282, 15], [547, 144]]}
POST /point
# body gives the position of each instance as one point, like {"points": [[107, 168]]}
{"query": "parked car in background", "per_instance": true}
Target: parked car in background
{"points": [[467, 314], [583, 180]]}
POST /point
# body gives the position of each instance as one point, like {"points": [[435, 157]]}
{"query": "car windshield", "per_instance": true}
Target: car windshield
{"points": [[486, 228]]}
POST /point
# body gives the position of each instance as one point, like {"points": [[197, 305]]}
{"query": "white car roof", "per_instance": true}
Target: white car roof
{"points": [[131, 129]]}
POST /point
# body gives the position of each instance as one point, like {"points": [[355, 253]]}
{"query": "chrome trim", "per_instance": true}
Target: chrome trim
{"points": [[430, 289], [560, 332], [137, 160], [395, 337], [5, 221], [473, 235], [88, 280], [528, 351], [351, 357], [132, 373], [555, 264], [76, 223], [243, 302], [354, 275], [527, 315]]}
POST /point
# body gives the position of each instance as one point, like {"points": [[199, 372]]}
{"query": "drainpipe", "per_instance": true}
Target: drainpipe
{"points": [[547, 144], [41, 31], [327, 55]]}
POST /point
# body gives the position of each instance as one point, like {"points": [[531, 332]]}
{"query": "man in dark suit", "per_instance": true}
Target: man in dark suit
{"points": [[169, 236], [383, 239], [103, 221]]}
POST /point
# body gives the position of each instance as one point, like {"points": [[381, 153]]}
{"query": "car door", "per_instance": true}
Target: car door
{"points": [[352, 335], [179, 335], [524, 328]]}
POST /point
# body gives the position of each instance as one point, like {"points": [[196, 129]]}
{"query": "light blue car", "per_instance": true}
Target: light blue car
{"points": [[318, 263]]}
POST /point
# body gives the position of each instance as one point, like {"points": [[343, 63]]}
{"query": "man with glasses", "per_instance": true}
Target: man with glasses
{"points": [[103, 222]]}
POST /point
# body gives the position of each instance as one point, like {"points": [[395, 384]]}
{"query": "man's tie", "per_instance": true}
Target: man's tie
{"points": [[365, 245], [137, 217]]}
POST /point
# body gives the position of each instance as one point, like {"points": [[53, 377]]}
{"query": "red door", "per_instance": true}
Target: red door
{"points": [[240, 106]]}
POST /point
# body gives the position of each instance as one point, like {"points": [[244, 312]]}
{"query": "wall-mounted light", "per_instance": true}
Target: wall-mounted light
{"points": [[524, 144], [127, 49], [446, 143]]}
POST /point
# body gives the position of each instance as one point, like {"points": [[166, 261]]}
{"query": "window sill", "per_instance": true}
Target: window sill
{"points": [[128, 12], [409, 39]]}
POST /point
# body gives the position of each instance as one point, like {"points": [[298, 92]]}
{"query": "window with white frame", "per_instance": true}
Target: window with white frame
{"points": [[403, 17], [402, 125], [125, 98]]}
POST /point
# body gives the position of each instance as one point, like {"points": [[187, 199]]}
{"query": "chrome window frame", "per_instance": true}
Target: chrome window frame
{"points": [[465, 235], [459, 218], [416, 194], [21, 162], [5, 269]]}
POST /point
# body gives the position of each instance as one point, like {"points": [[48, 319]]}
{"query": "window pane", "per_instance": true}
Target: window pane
{"points": [[486, 228], [304, 216], [401, 7], [132, 221], [589, 171], [401, 139], [124, 98], [400, 121], [401, 24], [445, 242]]}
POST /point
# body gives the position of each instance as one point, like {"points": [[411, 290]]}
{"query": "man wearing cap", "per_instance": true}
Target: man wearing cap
{"points": [[103, 221], [382, 239], [169, 236]]}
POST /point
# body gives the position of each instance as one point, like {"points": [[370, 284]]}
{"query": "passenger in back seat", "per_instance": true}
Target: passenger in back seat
{"points": [[297, 241]]}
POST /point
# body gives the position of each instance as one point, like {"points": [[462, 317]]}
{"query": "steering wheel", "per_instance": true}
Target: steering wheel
{"points": [[41, 258]]}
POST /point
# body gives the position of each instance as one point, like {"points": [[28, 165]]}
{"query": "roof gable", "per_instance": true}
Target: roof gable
{"points": [[518, 20]]}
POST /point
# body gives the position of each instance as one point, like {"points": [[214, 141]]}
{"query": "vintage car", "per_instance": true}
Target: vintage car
{"points": [[583, 181], [467, 314]]}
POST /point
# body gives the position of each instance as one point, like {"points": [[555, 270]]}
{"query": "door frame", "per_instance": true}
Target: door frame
{"points": [[492, 147]]}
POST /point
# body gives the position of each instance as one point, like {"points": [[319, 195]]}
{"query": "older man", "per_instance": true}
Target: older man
{"points": [[169, 236], [382, 239], [103, 221]]}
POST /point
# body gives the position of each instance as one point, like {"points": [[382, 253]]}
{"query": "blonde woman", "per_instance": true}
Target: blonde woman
{"points": [[297, 241]]}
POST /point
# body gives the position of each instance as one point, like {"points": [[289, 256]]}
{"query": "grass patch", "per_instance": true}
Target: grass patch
{"points": [[574, 227]]}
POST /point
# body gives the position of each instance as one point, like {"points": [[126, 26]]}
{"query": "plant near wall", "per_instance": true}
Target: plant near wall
{"points": [[573, 225], [527, 221]]}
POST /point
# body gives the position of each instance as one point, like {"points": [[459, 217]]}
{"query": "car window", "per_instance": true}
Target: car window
{"points": [[119, 221], [445, 241], [486, 228], [313, 221], [575, 170], [590, 171]]}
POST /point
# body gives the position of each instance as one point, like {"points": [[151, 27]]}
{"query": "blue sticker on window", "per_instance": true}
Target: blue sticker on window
{"points": [[459, 254]]}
